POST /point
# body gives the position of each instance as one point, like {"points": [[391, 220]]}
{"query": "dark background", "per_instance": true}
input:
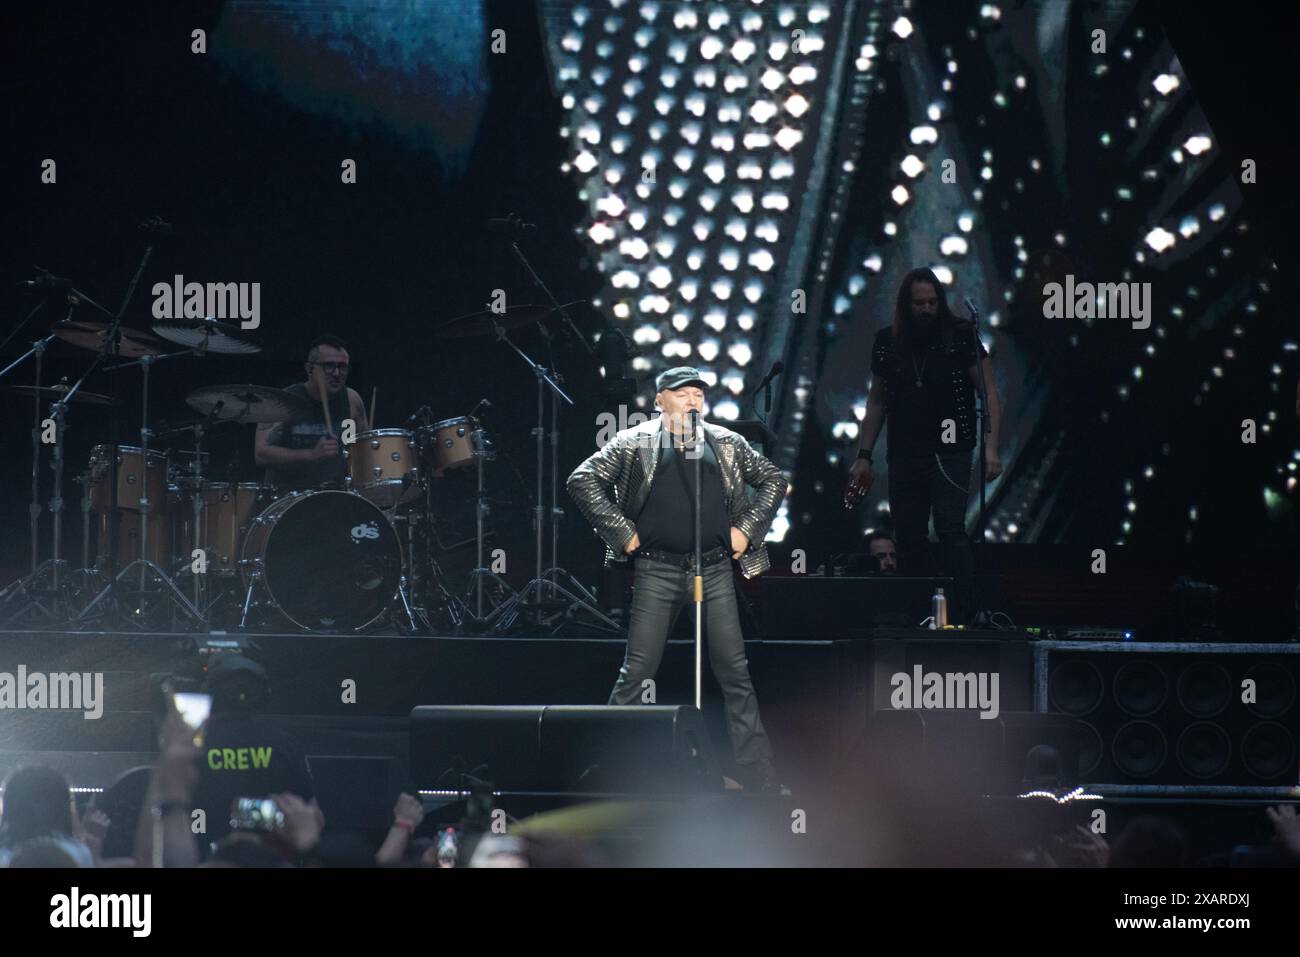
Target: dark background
{"points": [[140, 126]]}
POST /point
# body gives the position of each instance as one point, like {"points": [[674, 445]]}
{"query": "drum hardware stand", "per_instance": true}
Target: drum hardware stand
{"points": [[57, 570], [532, 595], [170, 590], [483, 452], [418, 587]]}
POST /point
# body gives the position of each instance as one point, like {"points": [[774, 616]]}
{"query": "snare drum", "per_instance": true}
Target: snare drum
{"points": [[384, 466], [328, 560], [134, 478], [452, 443]]}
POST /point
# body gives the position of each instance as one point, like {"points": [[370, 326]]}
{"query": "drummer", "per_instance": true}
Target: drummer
{"points": [[304, 453]]}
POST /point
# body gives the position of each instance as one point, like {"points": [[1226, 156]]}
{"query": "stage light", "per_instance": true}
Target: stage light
{"points": [[924, 134], [1165, 83], [796, 106], [600, 232], [900, 195], [953, 246], [727, 409], [1159, 239], [636, 247], [788, 138], [1196, 145], [804, 73], [660, 277], [707, 350], [902, 28], [912, 166]]}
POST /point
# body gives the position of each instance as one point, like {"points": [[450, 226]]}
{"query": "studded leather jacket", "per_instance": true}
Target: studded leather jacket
{"points": [[611, 488]]}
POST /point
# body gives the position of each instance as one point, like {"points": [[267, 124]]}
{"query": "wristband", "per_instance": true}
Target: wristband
{"points": [[864, 454], [406, 826]]}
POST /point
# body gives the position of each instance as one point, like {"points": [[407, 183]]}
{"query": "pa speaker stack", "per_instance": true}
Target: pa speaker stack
{"points": [[1177, 714]]}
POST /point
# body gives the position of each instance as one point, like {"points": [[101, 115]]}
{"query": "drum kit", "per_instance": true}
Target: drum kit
{"points": [[337, 559], [173, 548]]}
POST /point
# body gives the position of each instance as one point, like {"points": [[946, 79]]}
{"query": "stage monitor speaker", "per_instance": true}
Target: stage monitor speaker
{"points": [[1015, 752], [637, 749], [1214, 714]]}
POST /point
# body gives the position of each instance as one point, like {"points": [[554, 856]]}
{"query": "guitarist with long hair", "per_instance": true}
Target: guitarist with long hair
{"points": [[924, 372]]}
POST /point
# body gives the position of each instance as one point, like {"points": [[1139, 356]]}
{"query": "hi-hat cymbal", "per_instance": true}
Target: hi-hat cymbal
{"points": [[131, 343], [481, 323], [248, 403], [56, 392], [207, 335]]}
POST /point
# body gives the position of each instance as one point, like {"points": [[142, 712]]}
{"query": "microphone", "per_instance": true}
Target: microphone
{"points": [[46, 281], [777, 368], [156, 227], [511, 226], [766, 385]]}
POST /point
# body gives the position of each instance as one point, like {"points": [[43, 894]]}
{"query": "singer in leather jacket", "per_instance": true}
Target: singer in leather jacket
{"points": [[611, 487], [639, 494]]}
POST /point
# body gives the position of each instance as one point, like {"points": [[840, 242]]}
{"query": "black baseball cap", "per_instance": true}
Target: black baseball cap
{"points": [[678, 377]]}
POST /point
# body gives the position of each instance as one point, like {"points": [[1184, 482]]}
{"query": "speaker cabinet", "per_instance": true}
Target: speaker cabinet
{"points": [[1178, 714]]}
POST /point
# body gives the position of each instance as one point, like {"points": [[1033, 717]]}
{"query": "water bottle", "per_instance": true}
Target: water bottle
{"points": [[448, 848], [939, 609]]}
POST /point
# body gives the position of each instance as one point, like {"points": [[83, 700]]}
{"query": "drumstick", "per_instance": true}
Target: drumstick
{"points": [[324, 402], [374, 394]]}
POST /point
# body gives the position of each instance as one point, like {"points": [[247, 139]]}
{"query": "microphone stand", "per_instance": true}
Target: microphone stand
{"points": [[576, 595], [985, 425], [698, 439], [532, 593]]}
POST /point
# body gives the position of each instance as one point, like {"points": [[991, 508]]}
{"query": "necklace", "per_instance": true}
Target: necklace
{"points": [[921, 371]]}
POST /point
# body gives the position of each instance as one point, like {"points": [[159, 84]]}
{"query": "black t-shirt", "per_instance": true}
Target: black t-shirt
{"points": [[246, 756], [667, 521], [304, 434], [915, 414]]}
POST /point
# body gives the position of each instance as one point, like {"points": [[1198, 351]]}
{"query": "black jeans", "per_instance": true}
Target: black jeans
{"points": [[938, 481], [658, 596]]}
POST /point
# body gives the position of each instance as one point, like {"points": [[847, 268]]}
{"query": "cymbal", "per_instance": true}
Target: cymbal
{"points": [[480, 323], [207, 335], [131, 344], [248, 403], [56, 392]]}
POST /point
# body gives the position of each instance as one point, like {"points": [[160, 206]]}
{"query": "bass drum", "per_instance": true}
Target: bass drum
{"points": [[328, 560]]}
